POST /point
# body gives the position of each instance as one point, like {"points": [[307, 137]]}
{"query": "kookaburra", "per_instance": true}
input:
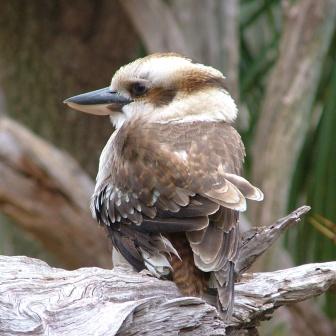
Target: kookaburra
{"points": [[169, 189]]}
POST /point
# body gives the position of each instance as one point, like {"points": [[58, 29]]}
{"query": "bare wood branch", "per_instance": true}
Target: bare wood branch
{"points": [[258, 240], [47, 194], [265, 292], [36, 299]]}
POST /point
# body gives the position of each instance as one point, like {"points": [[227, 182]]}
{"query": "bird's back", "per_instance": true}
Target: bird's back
{"points": [[172, 198]]}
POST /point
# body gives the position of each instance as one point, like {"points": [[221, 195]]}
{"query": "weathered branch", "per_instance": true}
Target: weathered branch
{"points": [[258, 240], [36, 299], [103, 302], [42, 188], [265, 292], [47, 194]]}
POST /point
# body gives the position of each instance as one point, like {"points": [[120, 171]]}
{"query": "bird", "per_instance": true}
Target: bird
{"points": [[169, 187]]}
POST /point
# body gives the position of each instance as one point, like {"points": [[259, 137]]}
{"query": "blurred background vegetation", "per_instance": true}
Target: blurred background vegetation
{"points": [[280, 62]]}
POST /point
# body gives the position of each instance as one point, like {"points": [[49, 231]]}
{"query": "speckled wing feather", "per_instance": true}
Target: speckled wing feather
{"points": [[175, 178]]}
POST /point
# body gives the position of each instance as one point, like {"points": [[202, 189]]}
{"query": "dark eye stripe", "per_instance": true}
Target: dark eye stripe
{"points": [[161, 96]]}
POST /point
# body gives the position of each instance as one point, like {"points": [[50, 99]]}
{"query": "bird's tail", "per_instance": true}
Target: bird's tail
{"points": [[225, 292]]}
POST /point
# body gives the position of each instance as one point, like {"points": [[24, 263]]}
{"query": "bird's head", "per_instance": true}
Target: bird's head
{"points": [[161, 88]]}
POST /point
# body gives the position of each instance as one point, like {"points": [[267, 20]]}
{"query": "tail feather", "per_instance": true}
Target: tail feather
{"points": [[226, 293]]}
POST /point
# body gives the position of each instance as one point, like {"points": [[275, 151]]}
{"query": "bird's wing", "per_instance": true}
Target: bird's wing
{"points": [[177, 178]]}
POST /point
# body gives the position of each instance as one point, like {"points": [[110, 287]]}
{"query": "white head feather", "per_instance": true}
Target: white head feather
{"points": [[161, 71]]}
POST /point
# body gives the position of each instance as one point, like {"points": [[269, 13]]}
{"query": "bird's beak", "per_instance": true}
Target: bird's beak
{"points": [[99, 102]]}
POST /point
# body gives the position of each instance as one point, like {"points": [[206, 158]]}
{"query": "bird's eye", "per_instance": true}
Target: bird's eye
{"points": [[138, 89]]}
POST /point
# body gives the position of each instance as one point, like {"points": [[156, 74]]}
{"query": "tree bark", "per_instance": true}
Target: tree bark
{"points": [[257, 240]]}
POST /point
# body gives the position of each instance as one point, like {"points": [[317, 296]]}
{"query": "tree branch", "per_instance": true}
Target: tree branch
{"points": [[47, 194], [258, 240], [102, 302], [263, 292]]}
